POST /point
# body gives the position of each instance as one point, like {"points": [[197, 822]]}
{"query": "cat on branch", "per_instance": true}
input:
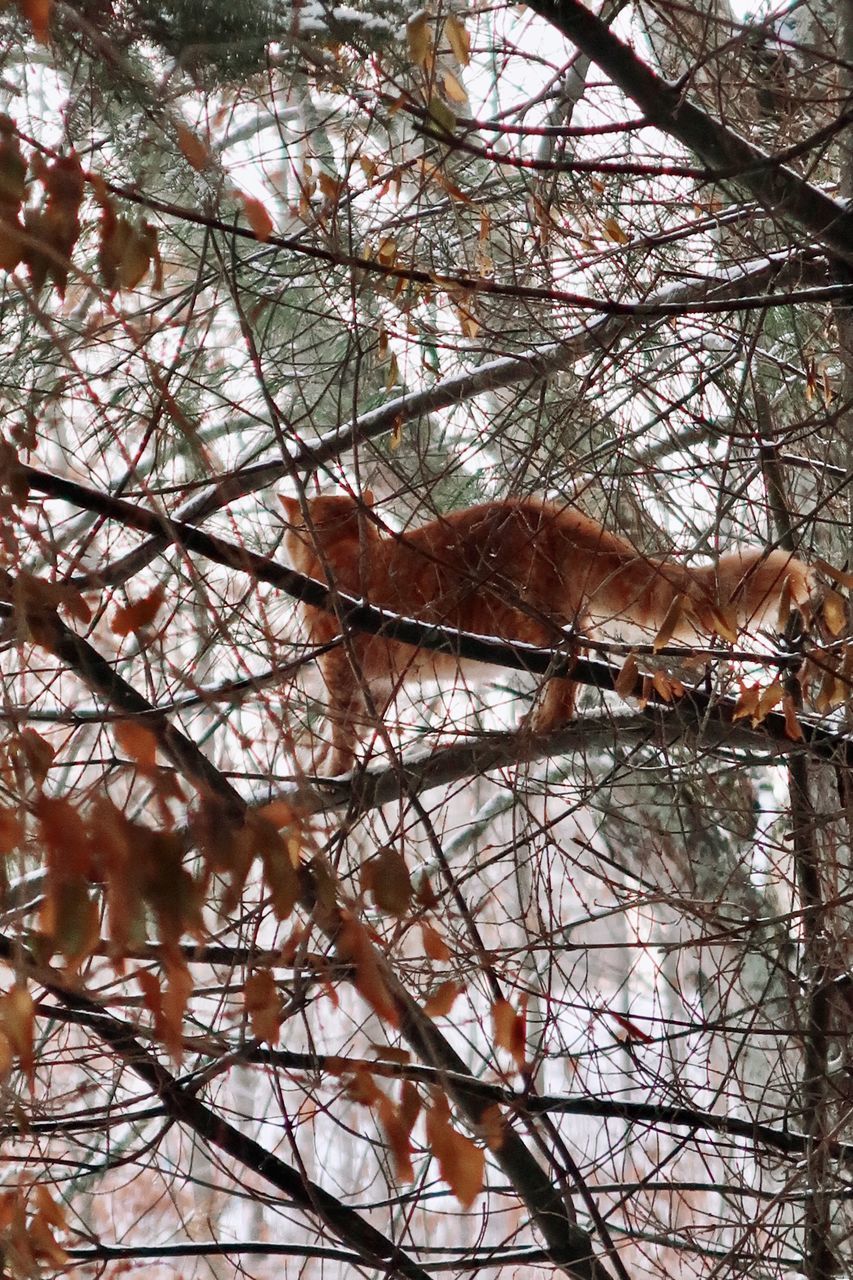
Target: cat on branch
{"points": [[521, 570]]}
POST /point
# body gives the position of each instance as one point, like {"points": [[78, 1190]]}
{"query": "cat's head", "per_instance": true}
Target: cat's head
{"points": [[325, 519]]}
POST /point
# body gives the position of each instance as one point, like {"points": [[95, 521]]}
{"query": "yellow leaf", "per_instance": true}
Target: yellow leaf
{"points": [[834, 612], [419, 39], [770, 697], [613, 232], [627, 677], [457, 35], [452, 87]]}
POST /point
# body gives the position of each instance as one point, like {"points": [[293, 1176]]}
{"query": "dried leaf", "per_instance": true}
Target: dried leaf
{"points": [[453, 88], [419, 39], [457, 35], [392, 884], [258, 217], [461, 1162], [434, 945], [793, 728], [354, 947], [626, 680], [834, 612], [263, 1005], [17, 1022], [747, 703], [194, 150], [137, 742], [613, 232], [442, 1000], [388, 1053], [770, 697], [139, 613], [670, 624], [397, 1137]]}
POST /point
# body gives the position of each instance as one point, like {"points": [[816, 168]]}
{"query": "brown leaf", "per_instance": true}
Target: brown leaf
{"points": [[388, 1053], [137, 742], [670, 624], [258, 217], [263, 1005], [434, 945], [139, 613], [392, 884], [770, 697], [843, 578], [193, 149], [793, 728], [442, 1000], [461, 1162], [627, 678], [354, 947], [834, 612]]}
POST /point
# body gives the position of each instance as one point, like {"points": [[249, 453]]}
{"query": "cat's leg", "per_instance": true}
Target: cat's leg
{"points": [[554, 707], [346, 708]]}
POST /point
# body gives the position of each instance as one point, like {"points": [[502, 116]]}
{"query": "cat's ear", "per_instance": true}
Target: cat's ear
{"points": [[291, 507], [368, 497]]}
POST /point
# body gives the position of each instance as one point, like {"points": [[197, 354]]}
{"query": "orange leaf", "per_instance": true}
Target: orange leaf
{"points": [[747, 703], [461, 1162], [258, 217], [793, 728], [397, 1136], [434, 945], [453, 88], [354, 947], [138, 614], [193, 149], [442, 999], [834, 612], [670, 624], [627, 677], [263, 1005], [138, 742], [17, 1021]]}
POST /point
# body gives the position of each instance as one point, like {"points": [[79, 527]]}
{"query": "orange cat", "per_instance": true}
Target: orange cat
{"points": [[520, 570]]}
